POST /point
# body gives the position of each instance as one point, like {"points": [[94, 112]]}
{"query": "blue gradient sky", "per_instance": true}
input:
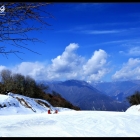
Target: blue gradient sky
{"points": [[87, 41]]}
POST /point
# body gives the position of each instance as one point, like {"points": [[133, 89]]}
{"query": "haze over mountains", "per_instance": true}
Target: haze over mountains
{"points": [[86, 96], [119, 90]]}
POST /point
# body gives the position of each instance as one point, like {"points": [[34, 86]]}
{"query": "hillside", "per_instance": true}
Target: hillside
{"points": [[85, 96], [19, 104], [118, 90]]}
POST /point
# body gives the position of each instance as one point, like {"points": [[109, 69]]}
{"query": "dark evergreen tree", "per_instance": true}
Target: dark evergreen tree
{"points": [[134, 99]]}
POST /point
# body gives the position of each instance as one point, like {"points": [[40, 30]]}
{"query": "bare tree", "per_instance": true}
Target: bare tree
{"points": [[6, 80], [17, 19]]}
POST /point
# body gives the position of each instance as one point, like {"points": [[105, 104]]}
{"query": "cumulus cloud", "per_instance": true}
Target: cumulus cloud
{"points": [[68, 61], [95, 69], [129, 70], [96, 62], [32, 69], [68, 65]]}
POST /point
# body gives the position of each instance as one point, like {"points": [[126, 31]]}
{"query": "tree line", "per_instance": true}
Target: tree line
{"points": [[27, 86]]}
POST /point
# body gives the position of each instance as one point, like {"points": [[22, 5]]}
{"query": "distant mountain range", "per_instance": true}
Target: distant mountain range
{"points": [[86, 96], [119, 90]]}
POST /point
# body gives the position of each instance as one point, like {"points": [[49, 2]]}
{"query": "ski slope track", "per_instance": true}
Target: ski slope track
{"points": [[21, 116]]}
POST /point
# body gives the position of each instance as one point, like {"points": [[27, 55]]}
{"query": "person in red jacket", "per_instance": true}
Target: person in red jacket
{"points": [[49, 111]]}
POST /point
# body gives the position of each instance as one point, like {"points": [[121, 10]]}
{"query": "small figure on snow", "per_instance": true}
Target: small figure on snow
{"points": [[56, 111], [49, 111]]}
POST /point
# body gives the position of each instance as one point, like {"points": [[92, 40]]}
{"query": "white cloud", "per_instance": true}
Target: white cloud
{"points": [[97, 76], [101, 31], [68, 65], [2, 67], [129, 70], [68, 61], [133, 51], [96, 62], [95, 69], [29, 68]]}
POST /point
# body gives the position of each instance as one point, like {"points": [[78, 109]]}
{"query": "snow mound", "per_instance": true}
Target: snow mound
{"points": [[134, 109], [19, 104]]}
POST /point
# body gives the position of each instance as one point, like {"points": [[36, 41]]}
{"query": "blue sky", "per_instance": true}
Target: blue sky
{"points": [[86, 41]]}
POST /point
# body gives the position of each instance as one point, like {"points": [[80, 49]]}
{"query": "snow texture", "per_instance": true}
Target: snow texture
{"points": [[21, 116]]}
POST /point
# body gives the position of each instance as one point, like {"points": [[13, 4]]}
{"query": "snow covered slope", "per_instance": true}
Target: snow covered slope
{"points": [[19, 104]]}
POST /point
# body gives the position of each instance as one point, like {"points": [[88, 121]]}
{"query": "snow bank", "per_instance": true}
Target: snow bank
{"points": [[19, 104], [134, 109]]}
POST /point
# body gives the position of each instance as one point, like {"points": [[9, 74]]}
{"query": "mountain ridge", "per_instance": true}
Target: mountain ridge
{"points": [[85, 96], [118, 90]]}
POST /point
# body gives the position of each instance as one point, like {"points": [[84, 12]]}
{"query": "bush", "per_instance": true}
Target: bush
{"points": [[134, 99]]}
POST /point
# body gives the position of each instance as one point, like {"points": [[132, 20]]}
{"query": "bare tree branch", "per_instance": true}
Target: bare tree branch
{"points": [[15, 23]]}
